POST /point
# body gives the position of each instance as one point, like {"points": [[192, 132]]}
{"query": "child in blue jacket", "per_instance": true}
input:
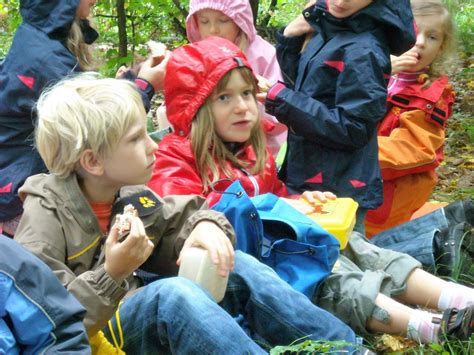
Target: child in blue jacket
{"points": [[37, 314], [53, 41], [335, 94]]}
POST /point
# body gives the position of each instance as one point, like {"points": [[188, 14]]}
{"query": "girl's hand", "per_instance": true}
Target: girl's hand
{"points": [[317, 196], [155, 75], [209, 236], [263, 86], [123, 258], [406, 62], [312, 198], [299, 26], [263, 83]]}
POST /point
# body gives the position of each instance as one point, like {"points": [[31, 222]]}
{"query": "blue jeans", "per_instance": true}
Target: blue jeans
{"points": [[415, 237], [175, 315]]}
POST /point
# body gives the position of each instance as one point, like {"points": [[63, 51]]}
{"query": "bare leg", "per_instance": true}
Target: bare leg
{"points": [[422, 289], [399, 316]]}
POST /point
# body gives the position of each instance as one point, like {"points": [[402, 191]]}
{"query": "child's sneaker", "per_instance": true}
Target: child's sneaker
{"points": [[457, 323]]}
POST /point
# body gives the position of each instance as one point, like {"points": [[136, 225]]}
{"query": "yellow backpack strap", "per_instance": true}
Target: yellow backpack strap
{"points": [[101, 346]]}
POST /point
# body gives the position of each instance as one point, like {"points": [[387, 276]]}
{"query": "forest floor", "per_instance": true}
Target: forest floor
{"points": [[456, 173]]}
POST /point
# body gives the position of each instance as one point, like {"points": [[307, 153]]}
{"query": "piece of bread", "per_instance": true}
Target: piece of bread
{"points": [[158, 51], [124, 221]]}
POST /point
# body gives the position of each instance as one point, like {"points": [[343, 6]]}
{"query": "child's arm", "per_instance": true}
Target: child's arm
{"points": [[410, 148], [290, 43], [211, 237], [42, 234], [177, 219], [360, 102]]}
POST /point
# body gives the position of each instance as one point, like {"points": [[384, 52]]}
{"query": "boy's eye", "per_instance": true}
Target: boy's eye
{"points": [[224, 20], [248, 93], [136, 138], [203, 21]]}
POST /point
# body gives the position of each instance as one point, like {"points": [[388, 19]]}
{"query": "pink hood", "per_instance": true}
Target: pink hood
{"points": [[238, 10], [260, 54]]}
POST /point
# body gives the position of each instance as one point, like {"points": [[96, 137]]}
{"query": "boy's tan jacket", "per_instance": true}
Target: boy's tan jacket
{"points": [[59, 226]]}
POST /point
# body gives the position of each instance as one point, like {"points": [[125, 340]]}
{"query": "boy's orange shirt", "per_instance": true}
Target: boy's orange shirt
{"points": [[102, 212]]}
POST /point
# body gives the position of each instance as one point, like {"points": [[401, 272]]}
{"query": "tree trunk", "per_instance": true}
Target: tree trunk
{"points": [[267, 17], [254, 6], [122, 28]]}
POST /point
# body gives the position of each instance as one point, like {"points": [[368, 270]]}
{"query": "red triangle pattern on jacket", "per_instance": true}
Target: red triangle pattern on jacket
{"points": [[6, 188], [27, 80], [357, 183], [336, 64], [317, 179]]}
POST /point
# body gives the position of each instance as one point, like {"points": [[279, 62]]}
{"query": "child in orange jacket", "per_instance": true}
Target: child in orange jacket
{"points": [[411, 136]]}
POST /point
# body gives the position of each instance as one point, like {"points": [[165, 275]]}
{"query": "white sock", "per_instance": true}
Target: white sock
{"points": [[421, 327], [456, 296]]}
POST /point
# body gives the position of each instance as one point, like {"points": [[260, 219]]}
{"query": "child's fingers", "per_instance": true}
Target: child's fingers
{"points": [[224, 255], [261, 97], [113, 236], [137, 237], [330, 195]]}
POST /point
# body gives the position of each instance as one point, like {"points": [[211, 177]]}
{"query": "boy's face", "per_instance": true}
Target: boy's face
{"points": [[346, 8], [429, 40], [234, 110], [84, 8], [215, 23], [132, 161]]}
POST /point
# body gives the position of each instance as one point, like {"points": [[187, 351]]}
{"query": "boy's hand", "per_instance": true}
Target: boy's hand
{"points": [[123, 258], [155, 75], [405, 62], [299, 26], [209, 236], [121, 72]]}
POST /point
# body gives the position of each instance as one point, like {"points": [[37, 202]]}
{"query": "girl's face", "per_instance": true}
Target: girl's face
{"points": [[234, 109], [84, 8], [346, 8], [429, 40], [215, 23]]}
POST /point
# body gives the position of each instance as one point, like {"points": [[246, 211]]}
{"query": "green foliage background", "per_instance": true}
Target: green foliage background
{"points": [[163, 20]]}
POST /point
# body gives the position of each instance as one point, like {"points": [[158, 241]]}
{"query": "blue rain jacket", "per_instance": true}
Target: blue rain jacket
{"points": [[37, 314], [335, 96], [38, 57]]}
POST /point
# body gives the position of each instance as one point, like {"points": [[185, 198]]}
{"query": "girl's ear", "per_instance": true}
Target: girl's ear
{"points": [[90, 163]]}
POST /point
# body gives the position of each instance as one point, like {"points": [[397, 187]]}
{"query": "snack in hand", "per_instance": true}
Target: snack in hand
{"points": [[158, 51], [124, 221]]}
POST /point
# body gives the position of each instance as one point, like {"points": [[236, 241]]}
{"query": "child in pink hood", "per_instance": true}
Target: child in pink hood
{"points": [[233, 20]]}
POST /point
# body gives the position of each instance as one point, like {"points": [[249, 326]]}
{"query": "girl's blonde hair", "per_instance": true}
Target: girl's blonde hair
{"points": [[81, 50], [212, 154], [81, 113], [447, 51]]}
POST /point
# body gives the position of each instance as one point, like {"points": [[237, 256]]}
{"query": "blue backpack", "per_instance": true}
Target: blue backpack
{"points": [[300, 251]]}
